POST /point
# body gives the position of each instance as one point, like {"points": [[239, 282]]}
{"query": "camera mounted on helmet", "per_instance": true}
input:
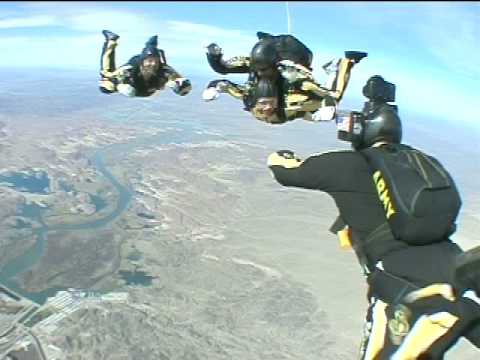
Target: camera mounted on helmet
{"points": [[378, 90], [378, 121]]}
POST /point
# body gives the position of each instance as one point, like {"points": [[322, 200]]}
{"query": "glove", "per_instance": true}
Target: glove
{"points": [[213, 90], [180, 86], [126, 90], [214, 50], [326, 113], [284, 158]]}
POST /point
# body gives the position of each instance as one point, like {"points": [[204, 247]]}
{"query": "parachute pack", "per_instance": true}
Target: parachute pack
{"points": [[419, 196], [288, 47]]}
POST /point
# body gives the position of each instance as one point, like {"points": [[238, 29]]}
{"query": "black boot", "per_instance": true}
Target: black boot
{"points": [[356, 56], [110, 35], [467, 271]]}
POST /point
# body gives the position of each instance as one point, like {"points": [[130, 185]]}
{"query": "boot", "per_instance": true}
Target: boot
{"points": [[356, 56], [110, 35]]}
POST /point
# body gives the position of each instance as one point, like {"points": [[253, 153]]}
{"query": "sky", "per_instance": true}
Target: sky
{"points": [[430, 50]]}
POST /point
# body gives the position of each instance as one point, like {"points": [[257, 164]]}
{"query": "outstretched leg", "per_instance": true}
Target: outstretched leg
{"points": [[107, 62], [339, 72]]}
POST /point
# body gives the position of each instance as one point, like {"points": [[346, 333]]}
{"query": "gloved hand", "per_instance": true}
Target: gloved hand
{"points": [[285, 158], [326, 113], [180, 86], [214, 50], [213, 89], [126, 89], [292, 71]]}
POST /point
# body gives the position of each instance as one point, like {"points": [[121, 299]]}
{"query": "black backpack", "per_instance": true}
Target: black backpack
{"points": [[419, 196], [288, 47]]}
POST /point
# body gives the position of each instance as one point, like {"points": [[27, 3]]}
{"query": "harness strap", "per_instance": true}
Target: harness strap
{"points": [[388, 287]]}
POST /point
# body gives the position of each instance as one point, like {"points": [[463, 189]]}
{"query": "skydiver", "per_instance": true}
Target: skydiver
{"points": [[280, 86], [142, 75], [422, 298]]}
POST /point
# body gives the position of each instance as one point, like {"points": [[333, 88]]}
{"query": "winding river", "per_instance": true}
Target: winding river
{"points": [[31, 257], [28, 259]]}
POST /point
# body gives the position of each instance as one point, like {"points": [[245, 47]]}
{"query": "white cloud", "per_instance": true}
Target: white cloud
{"points": [[118, 21], [183, 42], [31, 21], [452, 35], [445, 33]]}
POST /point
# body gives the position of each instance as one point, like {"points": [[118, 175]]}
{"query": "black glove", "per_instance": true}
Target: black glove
{"points": [[214, 50]]}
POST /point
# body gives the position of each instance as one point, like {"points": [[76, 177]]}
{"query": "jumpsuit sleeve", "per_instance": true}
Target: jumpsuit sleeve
{"points": [[293, 172], [235, 90], [235, 65], [229, 87]]}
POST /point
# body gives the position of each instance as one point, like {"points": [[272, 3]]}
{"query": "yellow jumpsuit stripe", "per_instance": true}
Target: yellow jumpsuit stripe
{"points": [[444, 290], [107, 70], [376, 339], [427, 330], [343, 77]]}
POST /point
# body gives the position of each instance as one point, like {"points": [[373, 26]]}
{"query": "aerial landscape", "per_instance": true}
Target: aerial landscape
{"points": [[152, 227], [181, 216]]}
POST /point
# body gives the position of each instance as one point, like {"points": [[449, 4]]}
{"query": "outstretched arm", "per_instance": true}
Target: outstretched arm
{"points": [[289, 170], [235, 65], [180, 85], [224, 86]]}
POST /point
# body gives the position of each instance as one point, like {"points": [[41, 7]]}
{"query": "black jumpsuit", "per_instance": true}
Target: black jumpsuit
{"points": [[435, 320]]}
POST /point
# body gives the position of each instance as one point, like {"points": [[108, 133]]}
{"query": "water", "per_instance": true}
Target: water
{"points": [[37, 182], [31, 257], [98, 202]]}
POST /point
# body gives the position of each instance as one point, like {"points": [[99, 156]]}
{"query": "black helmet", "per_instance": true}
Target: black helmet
{"points": [[264, 101], [363, 129], [264, 88], [380, 124], [150, 48], [264, 54]]}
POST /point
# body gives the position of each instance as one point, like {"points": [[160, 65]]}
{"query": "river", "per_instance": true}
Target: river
{"points": [[31, 257]]}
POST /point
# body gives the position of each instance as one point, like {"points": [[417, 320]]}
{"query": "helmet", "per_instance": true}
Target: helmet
{"points": [[264, 88], [150, 48], [264, 101], [381, 124], [264, 54]]}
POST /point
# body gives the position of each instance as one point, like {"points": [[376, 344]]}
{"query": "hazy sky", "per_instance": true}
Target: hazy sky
{"points": [[430, 50]]}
